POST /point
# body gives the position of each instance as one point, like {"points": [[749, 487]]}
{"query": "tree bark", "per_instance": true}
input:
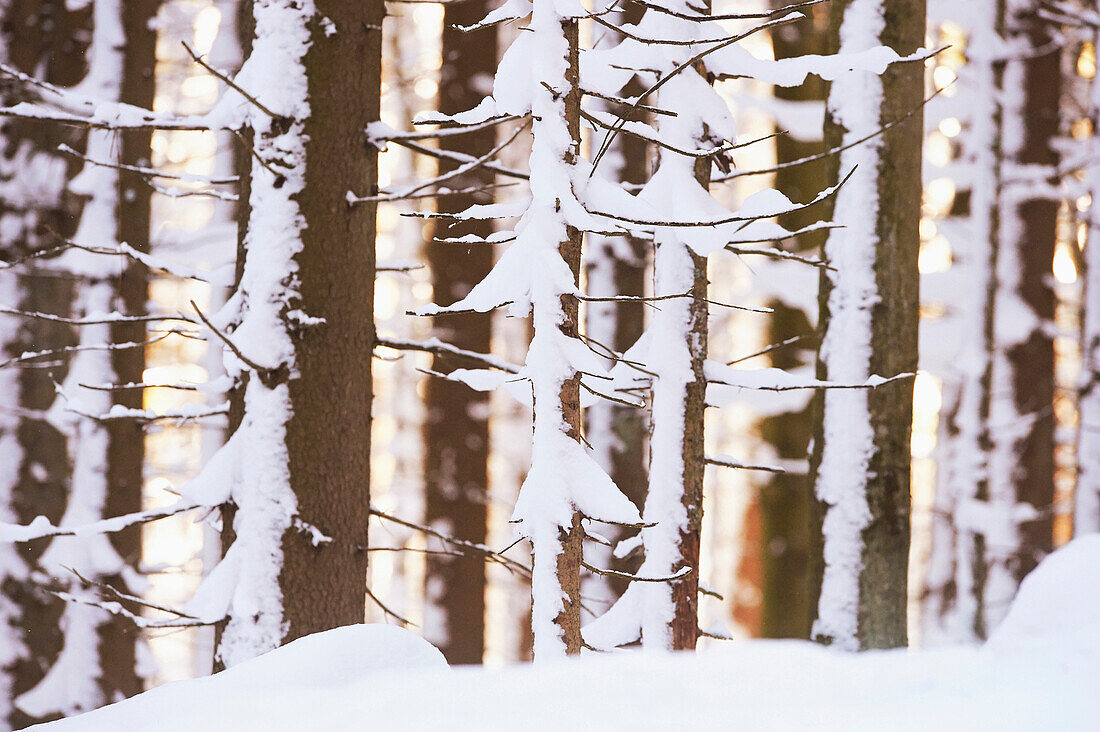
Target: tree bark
{"points": [[617, 267], [328, 436], [1032, 361], [869, 314], [126, 438], [456, 430], [44, 37], [787, 608]]}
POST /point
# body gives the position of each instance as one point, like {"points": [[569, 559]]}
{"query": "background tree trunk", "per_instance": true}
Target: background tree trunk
{"points": [[787, 609], [456, 429], [39, 37], [126, 438]]}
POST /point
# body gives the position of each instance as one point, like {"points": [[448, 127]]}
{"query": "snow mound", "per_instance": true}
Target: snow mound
{"points": [[275, 691], [1058, 603], [1038, 672]]}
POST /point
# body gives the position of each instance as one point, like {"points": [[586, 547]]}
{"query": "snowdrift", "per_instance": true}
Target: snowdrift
{"points": [[1039, 671]]}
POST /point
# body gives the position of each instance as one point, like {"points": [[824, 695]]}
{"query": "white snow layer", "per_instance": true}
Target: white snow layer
{"points": [[1037, 672]]}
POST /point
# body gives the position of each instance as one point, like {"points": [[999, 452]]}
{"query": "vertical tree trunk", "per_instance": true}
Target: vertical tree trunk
{"points": [[869, 326], [786, 500], [1032, 231], [1086, 508], [568, 561], [456, 431], [306, 325], [126, 438], [617, 266], [994, 519], [328, 436], [47, 39]]}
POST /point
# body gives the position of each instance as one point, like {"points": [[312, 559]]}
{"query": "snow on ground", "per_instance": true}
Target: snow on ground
{"points": [[1039, 671]]}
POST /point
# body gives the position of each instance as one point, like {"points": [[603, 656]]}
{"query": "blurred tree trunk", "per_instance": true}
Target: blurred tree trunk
{"points": [[616, 266], [39, 37], [126, 438], [456, 429], [1032, 360], [869, 313], [787, 609]]}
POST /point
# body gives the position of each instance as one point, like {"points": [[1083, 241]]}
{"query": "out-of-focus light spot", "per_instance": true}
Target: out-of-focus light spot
{"points": [[1081, 129], [942, 76], [428, 14], [927, 228], [1083, 202], [1065, 269], [940, 195], [950, 127], [938, 149], [926, 392], [934, 256], [1086, 62], [207, 22], [200, 87], [425, 88]]}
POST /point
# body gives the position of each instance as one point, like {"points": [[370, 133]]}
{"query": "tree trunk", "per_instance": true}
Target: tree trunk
{"points": [[328, 436], [616, 266], [869, 313], [302, 494], [45, 38], [456, 430], [1086, 508], [787, 609], [126, 438], [1032, 360], [1000, 459]]}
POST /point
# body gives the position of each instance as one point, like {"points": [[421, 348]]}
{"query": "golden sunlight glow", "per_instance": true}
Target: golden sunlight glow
{"points": [[939, 194], [1086, 62], [1065, 269], [950, 127], [938, 149], [206, 26], [934, 256], [942, 76]]}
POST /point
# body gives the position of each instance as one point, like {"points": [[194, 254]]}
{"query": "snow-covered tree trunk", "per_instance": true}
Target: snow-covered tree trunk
{"points": [[786, 499], [126, 437], [952, 593], [993, 518], [456, 430], [617, 265], [1023, 453], [97, 661], [1086, 508], [297, 564], [50, 39], [868, 319]]}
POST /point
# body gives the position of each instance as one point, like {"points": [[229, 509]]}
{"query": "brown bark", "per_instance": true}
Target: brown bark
{"points": [[628, 428], [685, 591], [787, 609], [569, 561], [456, 430], [328, 436], [126, 446], [1032, 361], [40, 36], [883, 578]]}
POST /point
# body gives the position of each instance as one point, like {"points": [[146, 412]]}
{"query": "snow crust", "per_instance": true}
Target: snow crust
{"points": [[1038, 672]]}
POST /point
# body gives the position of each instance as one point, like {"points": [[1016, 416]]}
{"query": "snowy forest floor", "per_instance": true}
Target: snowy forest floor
{"points": [[1038, 671]]}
